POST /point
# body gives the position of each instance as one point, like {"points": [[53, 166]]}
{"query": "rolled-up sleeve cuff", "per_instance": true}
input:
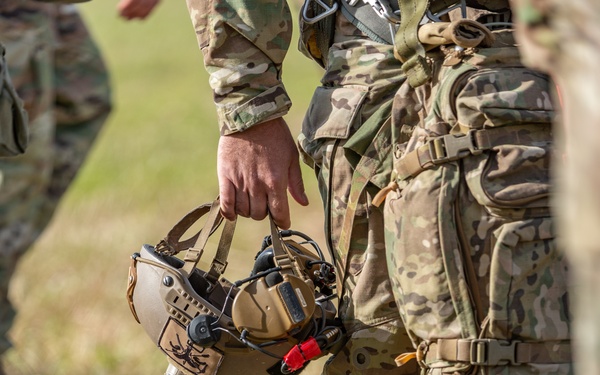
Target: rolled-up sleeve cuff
{"points": [[270, 104]]}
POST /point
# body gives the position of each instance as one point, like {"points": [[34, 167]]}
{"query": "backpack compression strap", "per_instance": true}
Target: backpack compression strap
{"points": [[490, 352]]}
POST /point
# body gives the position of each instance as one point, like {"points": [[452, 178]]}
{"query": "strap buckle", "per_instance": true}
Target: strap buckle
{"points": [[217, 268], [451, 147], [384, 10], [492, 352]]}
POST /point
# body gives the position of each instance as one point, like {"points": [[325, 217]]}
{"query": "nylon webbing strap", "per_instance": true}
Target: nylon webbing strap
{"points": [[282, 256], [192, 255], [172, 243], [325, 29], [451, 147], [219, 263], [279, 247], [363, 172], [407, 45], [494, 352]]}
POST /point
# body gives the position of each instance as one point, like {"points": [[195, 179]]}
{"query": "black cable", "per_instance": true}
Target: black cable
{"points": [[313, 262], [224, 304], [326, 298], [257, 276], [256, 347], [323, 314]]}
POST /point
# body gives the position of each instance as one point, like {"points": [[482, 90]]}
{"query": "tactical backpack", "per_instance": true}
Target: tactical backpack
{"points": [[478, 277], [14, 135]]}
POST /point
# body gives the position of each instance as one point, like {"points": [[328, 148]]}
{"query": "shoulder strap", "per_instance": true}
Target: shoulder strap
{"points": [[366, 20], [407, 46], [319, 17]]}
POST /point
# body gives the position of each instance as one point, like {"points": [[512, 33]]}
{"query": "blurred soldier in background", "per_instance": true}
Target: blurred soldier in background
{"points": [[59, 74], [563, 38]]}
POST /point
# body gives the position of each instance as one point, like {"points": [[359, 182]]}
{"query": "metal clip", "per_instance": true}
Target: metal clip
{"points": [[384, 10], [491, 352], [434, 15], [218, 267], [328, 11]]}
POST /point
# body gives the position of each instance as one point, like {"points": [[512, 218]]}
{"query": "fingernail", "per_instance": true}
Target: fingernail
{"points": [[305, 197]]}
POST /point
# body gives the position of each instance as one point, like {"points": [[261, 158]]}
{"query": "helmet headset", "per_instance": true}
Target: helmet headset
{"points": [[274, 321]]}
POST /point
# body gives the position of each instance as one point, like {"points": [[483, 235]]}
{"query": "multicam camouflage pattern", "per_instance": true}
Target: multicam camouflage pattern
{"points": [[59, 73], [563, 38], [244, 44], [471, 243], [360, 76]]}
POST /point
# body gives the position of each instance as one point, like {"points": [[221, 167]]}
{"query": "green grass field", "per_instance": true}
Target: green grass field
{"points": [[155, 161]]}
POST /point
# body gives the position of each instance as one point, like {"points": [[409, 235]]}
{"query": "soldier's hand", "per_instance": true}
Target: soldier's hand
{"points": [[132, 9], [256, 167]]}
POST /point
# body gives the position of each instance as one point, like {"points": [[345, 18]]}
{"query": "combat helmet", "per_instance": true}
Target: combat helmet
{"points": [[274, 321]]}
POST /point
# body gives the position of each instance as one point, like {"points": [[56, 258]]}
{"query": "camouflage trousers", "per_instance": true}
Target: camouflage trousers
{"points": [[59, 73], [360, 75], [472, 254]]}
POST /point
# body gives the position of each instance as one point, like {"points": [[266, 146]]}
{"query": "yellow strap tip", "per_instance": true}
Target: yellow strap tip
{"points": [[403, 358], [379, 198]]}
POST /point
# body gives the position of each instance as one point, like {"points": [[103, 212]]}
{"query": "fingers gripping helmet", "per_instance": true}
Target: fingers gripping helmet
{"points": [[273, 321]]}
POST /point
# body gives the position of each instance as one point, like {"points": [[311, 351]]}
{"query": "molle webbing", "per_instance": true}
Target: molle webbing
{"points": [[492, 352]]}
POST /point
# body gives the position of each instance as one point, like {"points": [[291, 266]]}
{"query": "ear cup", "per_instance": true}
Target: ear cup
{"points": [[273, 307], [263, 262], [201, 332], [273, 279]]}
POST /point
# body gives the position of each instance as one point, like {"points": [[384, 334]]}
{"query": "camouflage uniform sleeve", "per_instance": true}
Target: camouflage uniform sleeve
{"points": [[243, 44]]}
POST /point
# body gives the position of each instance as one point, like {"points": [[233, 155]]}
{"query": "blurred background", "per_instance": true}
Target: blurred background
{"points": [[154, 162]]}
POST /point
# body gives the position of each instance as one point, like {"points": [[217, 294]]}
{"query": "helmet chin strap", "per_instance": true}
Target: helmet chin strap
{"points": [[194, 252], [194, 246], [172, 243]]}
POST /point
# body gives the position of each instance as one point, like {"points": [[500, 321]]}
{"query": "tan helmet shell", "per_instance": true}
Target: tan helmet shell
{"points": [[166, 302]]}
